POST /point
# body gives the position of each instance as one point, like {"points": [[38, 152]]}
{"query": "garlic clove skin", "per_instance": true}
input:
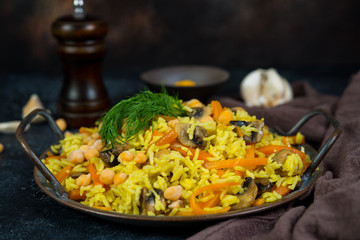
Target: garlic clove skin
{"points": [[265, 88], [10, 127], [249, 88], [33, 103]]}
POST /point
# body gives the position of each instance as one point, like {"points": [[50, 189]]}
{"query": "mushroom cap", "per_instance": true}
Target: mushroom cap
{"points": [[247, 198], [183, 135], [280, 157]]}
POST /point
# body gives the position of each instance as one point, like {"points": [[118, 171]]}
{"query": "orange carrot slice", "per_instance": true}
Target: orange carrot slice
{"points": [[202, 154], [220, 173], [282, 190], [168, 138], [84, 130], [64, 173], [259, 202], [76, 196], [103, 208], [225, 116], [270, 149], [95, 177], [217, 108], [214, 201], [243, 162], [197, 209]]}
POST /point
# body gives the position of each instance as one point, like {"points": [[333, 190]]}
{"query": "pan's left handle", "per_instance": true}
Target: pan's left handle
{"points": [[31, 154]]}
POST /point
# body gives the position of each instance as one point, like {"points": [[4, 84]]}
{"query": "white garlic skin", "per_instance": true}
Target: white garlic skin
{"points": [[33, 103], [265, 88], [10, 127]]}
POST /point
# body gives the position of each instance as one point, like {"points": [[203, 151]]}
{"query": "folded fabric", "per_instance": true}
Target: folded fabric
{"points": [[286, 115], [332, 209]]}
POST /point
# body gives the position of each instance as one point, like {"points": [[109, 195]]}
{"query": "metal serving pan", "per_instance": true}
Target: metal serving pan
{"points": [[48, 183]]}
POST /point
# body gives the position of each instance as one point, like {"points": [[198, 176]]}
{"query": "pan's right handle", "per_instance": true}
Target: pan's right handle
{"points": [[329, 142], [31, 154]]}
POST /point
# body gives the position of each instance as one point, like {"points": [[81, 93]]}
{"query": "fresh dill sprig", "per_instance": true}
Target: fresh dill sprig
{"points": [[137, 113]]}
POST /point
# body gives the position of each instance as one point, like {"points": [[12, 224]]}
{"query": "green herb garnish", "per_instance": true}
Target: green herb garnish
{"points": [[136, 114]]}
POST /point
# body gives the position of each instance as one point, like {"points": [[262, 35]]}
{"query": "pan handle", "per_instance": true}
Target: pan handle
{"points": [[31, 154], [329, 142]]}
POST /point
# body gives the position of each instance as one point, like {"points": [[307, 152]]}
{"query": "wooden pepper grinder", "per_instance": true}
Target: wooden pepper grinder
{"points": [[83, 96]]}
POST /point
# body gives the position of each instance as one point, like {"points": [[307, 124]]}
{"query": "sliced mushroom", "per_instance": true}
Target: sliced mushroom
{"points": [[183, 136], [200, 113], [120, 148], [147, 200], [263, 185], [248, 197], [110, 156], [255, 136], [75, 175], [197, 112], [280, 157], [109, 159], [239, 123]]}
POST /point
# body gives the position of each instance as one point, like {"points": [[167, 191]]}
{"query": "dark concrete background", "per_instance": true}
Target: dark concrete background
{"points": [[229, 33], [314, 41]]}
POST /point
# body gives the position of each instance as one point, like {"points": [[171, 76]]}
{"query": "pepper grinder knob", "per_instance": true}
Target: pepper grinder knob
{"points": [[83, 97]]}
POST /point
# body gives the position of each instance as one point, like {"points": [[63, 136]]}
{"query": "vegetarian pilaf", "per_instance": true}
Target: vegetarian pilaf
{"points": [[154, 154]]}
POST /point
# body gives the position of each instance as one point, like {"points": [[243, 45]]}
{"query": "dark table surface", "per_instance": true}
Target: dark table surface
{"points": [[26, 212]]}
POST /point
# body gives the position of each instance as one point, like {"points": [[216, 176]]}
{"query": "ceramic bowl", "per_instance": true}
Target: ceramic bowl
{"points": [[206, 80]]}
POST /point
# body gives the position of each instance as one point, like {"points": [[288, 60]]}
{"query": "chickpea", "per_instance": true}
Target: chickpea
{"points": [[83, 180], [91, 153], [140, 157], [1, 147], [176, 204], [68, 133], [206, 119], [173, 193], [126, 156], [87, 138], [162, 153], [98, 145], [107, 176], [95, 135], [194, 103], [76, 156], [119, 178], [172, 123], [61, 123], [91, 141], [84, 148]]}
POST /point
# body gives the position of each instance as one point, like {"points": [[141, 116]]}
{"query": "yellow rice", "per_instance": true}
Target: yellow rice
{"points": [[174, 169]]}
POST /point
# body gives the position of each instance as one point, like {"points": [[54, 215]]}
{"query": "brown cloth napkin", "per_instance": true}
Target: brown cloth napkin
{"points": [[332, 210]]}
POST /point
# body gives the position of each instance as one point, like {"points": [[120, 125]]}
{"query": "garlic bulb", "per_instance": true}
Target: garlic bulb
{"points": [[265, 88], [33, 103], [10, 127]]}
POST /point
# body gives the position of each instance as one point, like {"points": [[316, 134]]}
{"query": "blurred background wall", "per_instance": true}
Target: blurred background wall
{"points": [[227, 33]]}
